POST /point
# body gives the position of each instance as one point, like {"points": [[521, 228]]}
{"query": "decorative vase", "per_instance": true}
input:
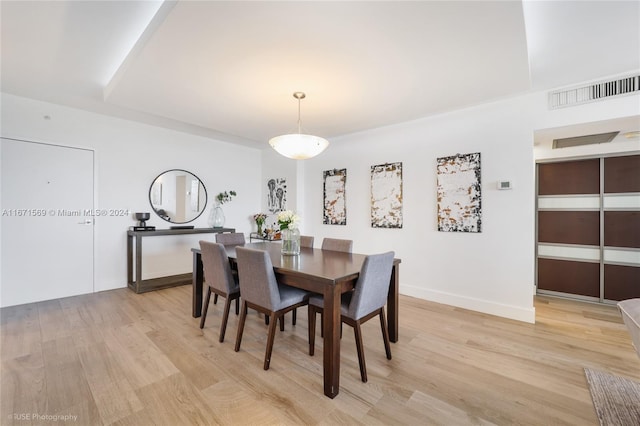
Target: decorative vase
{"points": [[216, 217], [290, 241], [259, 228]]}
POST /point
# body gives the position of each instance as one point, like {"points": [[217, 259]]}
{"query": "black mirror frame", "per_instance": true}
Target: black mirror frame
{"points": [[206, 196]]}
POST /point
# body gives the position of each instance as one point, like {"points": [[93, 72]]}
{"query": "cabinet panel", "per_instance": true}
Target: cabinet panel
{"points": [[569, 227], [622, 174], [569, 277], [571, 177], [622, 229], [621, 282]]}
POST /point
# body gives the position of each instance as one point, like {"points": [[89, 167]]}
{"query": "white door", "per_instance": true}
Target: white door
{"points": [[47, 227]]}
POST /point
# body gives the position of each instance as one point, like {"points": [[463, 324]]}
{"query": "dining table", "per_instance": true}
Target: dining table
{"points": [[326, 272]]}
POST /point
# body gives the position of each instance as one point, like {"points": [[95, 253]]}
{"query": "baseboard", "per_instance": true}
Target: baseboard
{"points": [[479, 305]]}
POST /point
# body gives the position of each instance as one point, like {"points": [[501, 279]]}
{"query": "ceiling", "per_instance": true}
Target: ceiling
{"points": [[228, 69]]}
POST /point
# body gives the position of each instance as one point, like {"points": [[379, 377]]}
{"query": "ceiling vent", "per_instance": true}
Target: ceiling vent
{"points": [[594, 92], [584, 140]]}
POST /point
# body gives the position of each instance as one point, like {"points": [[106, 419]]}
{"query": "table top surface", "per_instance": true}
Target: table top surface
{"points": [[180, 231], [325, 265]]}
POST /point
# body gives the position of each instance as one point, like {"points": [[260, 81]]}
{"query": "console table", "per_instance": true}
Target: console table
{"points": [[134, 238]]}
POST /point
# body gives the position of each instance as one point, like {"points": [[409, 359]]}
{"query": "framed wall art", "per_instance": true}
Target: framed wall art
{"points": [[386, 195], [276, 195], [459, 193], [335, 204]]}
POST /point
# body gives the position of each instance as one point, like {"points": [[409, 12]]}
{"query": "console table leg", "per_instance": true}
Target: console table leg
{"points": [[197, 281]]}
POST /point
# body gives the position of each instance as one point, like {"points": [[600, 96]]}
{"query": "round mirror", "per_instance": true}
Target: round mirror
{"points": [[178, 196]]}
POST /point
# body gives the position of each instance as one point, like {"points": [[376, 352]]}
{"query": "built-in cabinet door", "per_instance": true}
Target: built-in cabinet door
{"points": [[621, 205], [588, 228]]}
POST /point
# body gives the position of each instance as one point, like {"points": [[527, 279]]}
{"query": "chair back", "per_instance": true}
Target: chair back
{"points": [[217, 271], [231, 238], [336, 244], [372, 287], [258, 283], [306, 241]]}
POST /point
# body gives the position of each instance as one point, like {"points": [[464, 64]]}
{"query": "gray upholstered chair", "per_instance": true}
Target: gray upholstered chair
{"points": [[336, 244], [220, 280], [261, 291], [362, 304], [306, 241], [230, 238], [630, 310]]}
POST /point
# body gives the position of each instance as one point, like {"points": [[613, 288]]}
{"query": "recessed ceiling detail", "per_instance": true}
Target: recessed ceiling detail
{"points": [[584, 140], [225, 69]]}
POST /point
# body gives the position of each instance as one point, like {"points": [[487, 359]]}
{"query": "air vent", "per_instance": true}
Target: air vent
{"points": [[593, 92], [584, 140]]}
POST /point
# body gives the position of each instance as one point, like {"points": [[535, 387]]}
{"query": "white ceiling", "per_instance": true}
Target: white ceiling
{"points": [[228, 69]]}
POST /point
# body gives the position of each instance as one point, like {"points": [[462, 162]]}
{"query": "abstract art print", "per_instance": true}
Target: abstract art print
{"points": [[276, 195], [386, 195], [459, 196], [335, 205]]}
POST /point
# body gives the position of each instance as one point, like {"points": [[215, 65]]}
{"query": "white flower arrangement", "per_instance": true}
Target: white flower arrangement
{"points": [[288, 220]]}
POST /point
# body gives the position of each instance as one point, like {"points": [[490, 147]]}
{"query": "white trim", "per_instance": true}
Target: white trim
{"points": [[580, 253], [479, 305], [627, 201], [621, 256], [582, 202]]}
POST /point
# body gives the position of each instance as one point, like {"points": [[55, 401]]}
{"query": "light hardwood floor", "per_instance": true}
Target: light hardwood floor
{"points": [[140, 359]]}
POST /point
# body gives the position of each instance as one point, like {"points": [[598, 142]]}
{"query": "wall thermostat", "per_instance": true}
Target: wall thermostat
{"points": [[505, 184]]}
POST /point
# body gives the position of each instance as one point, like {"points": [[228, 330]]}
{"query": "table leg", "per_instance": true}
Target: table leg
{"points": [[196, 282], [392, 304], [331, 324], [138, 263], [129, 259]]}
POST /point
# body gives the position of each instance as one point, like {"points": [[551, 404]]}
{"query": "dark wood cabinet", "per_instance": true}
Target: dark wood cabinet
{"points": [[588, 228]]}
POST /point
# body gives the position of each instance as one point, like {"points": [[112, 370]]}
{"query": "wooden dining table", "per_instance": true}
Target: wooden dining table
{"points": [[329, 273]]}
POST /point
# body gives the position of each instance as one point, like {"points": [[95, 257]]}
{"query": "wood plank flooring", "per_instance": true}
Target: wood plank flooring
{"points": [[120, 358]]}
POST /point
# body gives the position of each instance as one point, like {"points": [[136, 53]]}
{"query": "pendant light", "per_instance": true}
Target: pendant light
{"points": [[298, 145]]}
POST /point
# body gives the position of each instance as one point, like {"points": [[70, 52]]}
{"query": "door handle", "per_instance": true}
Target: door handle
{"points": [[86, 222]]}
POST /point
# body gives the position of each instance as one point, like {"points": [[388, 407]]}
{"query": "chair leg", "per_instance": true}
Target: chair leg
{"points": [[293, 318], [225, 318], [243, 317], [282, 323], [385, 333], [359, 347], [215, 299], [206, 307], [312, 329], [237, 305], [272, 334]]}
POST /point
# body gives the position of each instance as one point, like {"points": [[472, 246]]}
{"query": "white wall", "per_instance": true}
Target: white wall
{"points": [[129, 156], [491, 271]]}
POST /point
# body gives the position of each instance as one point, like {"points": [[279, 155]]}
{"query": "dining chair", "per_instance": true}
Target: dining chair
{"points": [[230, 238], [306, 241], [262, 292], [336, 244], [358, 306], [220, 280]]}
